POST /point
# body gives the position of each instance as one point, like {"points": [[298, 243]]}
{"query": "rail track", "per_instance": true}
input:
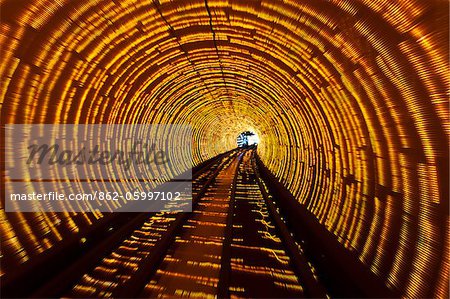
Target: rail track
{"points": [[233, 244]]}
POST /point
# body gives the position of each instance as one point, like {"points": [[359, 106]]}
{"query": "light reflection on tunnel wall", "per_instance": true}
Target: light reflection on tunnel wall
{"points": [[349, 97]]}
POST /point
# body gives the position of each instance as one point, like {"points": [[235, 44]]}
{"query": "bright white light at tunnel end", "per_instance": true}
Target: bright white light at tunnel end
{"points": [[253, 139], [248, 137]]}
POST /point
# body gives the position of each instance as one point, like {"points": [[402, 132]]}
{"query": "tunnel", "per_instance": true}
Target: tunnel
{"points": [[349, 99]]}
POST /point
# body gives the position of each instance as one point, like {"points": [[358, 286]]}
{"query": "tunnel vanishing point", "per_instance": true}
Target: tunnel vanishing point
{"points": [[349, 99]]}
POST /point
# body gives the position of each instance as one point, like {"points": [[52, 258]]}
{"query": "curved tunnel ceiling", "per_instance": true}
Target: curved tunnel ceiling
{"points": [[348, 97]]}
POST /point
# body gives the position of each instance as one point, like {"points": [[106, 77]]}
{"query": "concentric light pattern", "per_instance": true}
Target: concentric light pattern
{"points": [[349, 98]]}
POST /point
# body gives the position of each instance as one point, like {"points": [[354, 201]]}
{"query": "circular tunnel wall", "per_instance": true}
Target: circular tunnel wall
{"points": [[349, 99]]}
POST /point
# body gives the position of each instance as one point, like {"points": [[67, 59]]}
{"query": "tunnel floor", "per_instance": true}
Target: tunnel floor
{"points": [[233, 244]]}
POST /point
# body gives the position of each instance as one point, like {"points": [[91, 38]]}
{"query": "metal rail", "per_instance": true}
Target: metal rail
{"points": [[299, 263], [134, 286], [225, 265], [253, 184], [68, 276]]}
